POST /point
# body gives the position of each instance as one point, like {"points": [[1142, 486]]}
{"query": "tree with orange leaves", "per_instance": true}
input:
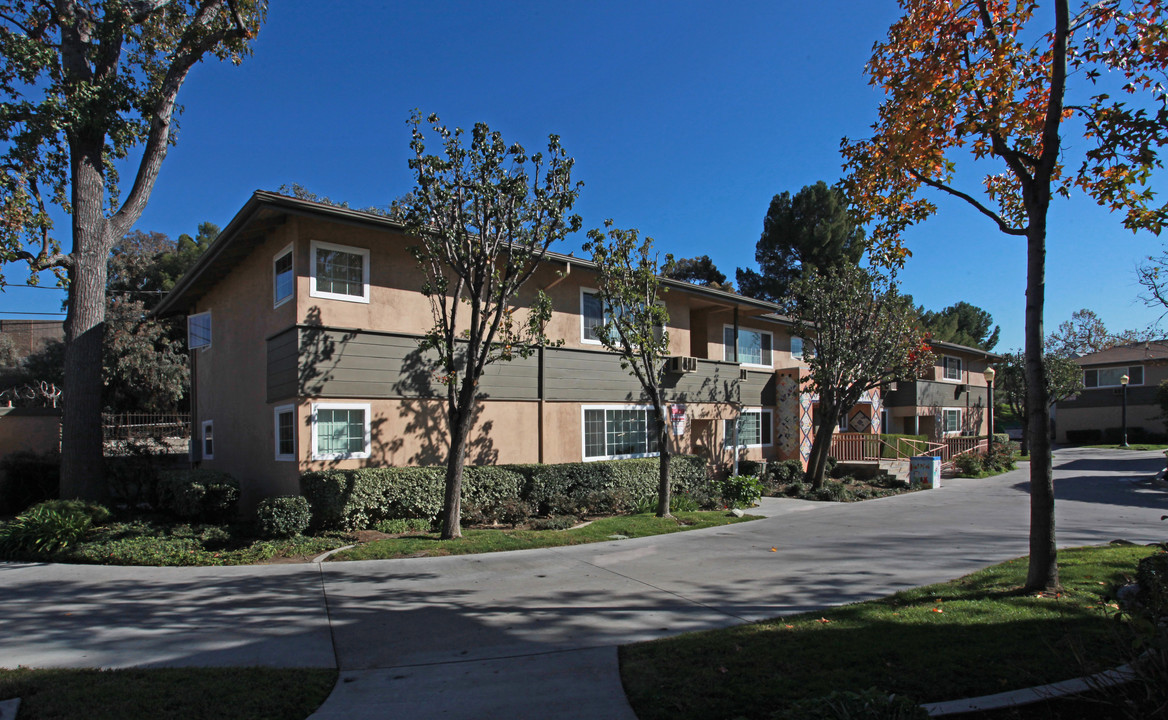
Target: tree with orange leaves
{"points": [[994, 81]]}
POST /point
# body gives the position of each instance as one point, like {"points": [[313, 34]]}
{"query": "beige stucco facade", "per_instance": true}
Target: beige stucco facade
{"points": [[259, 364]]}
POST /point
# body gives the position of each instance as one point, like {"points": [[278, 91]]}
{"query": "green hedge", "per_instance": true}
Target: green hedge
{"points": [[360, 498], [208, 495], [896, 445]]}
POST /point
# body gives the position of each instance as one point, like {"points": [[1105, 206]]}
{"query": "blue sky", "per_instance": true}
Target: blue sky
{"points": [[684, 119]]}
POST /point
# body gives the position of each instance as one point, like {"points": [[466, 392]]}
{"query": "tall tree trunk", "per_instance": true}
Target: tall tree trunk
{"points": [[820, 449], [664, 493], [460, 421], [81, 431], [1043, 569]]}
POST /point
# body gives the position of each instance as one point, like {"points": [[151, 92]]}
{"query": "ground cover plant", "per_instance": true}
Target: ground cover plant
{"points": [[172, 693], [1002, 457], [973, 636], [419, 544]]}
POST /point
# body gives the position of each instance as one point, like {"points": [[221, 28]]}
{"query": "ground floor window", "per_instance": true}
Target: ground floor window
{"points": [[340, 431], [285, 421], [619, 432], [951, 421], [754, 429], [208, 440]]}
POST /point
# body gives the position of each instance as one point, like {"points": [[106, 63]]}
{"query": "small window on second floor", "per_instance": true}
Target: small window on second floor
{"points": [[797, 347], [952, 367], [199, 331], [282, 277], [339, 272], [591, 315]]}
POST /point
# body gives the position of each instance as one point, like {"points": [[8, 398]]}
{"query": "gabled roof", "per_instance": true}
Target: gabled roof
{"points": [[1154, 350], [265, 210], [954, 347]]}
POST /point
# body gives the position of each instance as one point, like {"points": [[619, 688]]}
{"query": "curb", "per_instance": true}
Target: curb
{"points": [[1026, 696]]}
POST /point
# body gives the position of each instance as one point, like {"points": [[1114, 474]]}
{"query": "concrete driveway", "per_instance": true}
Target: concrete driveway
{"points": [[534, 633]]}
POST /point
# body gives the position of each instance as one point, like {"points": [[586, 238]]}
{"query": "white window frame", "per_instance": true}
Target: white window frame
{"points": [[203, 454], [276, 413], [210, 329], [1124, 371], [276, 300], [944, 424], [583, 432], [727, 442], [795, 355], [729, 349], [316, 246], [583, 328], [945, 368], [317, 455]]}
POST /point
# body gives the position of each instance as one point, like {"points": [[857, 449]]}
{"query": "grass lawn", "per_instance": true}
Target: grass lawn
{"points": [[171, 693], [483, 541], [972, 636]]}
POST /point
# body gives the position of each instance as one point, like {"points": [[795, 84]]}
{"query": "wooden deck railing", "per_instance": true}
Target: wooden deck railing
{"points": [[854, 447]]}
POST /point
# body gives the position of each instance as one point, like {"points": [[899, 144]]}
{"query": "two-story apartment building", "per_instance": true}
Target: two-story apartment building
{"points": [[949, 399], [304, 321], [1099, 407]]}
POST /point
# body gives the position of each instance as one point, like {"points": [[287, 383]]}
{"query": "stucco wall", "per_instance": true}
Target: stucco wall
{"points": [[29, 429]]}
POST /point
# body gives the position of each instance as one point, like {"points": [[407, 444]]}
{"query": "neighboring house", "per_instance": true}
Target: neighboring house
{"points": [[304, 321], [1100, 406], [949, 400], [31, 336]]}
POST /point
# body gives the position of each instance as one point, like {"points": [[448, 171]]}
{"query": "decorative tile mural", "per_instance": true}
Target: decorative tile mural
{"points": [[787, 411]]}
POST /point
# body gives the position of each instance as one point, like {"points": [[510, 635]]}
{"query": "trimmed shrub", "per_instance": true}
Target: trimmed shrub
{"points": [[27, 478], [833, 491], [741, 491], [98, 514], [1001, 438], [1085, 437], [282, 517], [969, 463], [556, 522], [898, 446], [197, 493], [44, 529], [358, 499], [751, 467]]}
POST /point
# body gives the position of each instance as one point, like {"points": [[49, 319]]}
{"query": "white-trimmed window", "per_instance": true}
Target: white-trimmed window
{"points": [[797, 347], [339, 272], [619, 431], [951, 367], [591, 315], [1109, 377], [951, 421], [199, 330], [283, 278], [754, 429], [754, 347], [340, 431], [208, 440], [285, 432]]}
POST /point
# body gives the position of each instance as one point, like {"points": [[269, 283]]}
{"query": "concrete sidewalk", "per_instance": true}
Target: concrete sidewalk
{"points": [[533, 633]]}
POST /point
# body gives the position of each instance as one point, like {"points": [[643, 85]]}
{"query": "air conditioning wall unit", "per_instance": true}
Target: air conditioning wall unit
{"points": [[682, 364]]}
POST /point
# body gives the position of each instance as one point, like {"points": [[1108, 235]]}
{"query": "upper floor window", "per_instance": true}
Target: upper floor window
{"points": [[952, 366], [797, 347], [199, 330], [282, 277], [339, 272], [1109, 377], [591, 315], [208, 440], [754, 347]]}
